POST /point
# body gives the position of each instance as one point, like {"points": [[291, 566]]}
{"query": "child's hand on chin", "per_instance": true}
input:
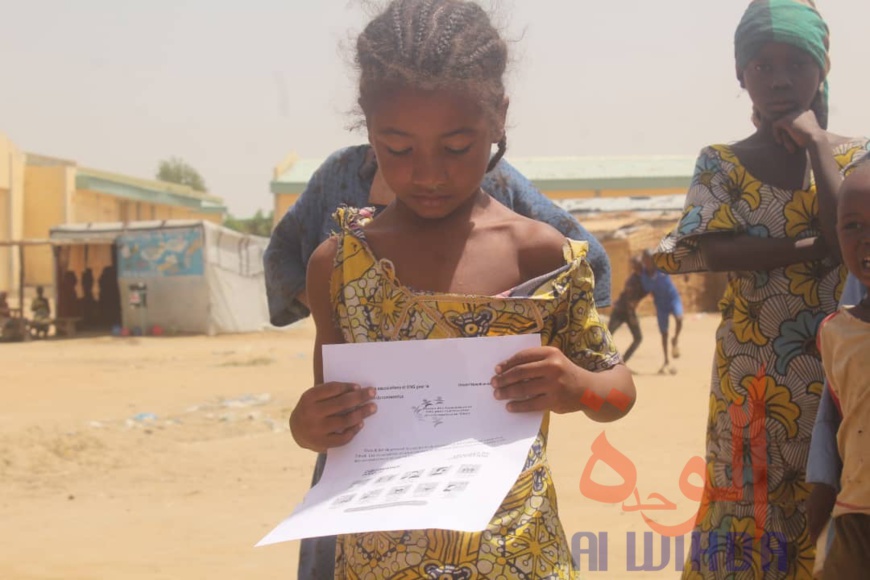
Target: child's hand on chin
{"points": [[330, 415], [538, 379]]}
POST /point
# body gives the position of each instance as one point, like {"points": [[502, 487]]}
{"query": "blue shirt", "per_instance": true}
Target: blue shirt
{"points": [[346, 178], [824, 464], [661, 286]]}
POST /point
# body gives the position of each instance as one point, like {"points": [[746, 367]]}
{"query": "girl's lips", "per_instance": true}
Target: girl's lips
{"points": [[782, 106]]}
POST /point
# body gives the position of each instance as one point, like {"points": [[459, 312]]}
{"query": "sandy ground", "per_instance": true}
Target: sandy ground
{"points": [[169, 458]]}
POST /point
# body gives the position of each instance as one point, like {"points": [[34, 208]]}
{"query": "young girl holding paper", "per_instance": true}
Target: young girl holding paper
{"points": [[443, 261]]}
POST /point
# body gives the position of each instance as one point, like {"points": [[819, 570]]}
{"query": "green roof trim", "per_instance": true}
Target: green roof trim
{"points": [[139, 193], [558, 173]]}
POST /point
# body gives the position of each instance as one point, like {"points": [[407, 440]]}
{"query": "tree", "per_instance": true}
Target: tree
{"points": [[177, 170], [259, 225]]}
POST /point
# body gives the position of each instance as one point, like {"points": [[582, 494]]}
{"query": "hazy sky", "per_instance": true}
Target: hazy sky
{"points": [[234, 87]]}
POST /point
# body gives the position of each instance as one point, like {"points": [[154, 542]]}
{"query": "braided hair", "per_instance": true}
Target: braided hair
{"points": [[434, 45]]}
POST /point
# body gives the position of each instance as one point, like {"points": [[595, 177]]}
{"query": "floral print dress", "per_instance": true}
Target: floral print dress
{"points": [[525, 539], [767, 372]]}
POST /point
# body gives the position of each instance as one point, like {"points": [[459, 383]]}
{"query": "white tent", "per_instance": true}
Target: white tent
{"points": [[183, 275]]}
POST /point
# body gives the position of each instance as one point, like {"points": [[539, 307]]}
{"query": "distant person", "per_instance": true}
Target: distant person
{"points": [[67, 297], [668, 304], [625, 308], [764, 209], [7, 325], [41, 311], [110, 297], [88, 303]]}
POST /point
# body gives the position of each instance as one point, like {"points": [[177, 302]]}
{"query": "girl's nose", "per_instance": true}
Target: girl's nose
{"points": [[781, 79], [429, 173]]}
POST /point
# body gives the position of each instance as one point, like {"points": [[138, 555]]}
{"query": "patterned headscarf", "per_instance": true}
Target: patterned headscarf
{"points": [[794, 22]]}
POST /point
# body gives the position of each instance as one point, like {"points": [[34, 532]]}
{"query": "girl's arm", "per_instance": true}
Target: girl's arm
{"points": [[742, 252], [802, 130], [328, 414], [544, 379], [828, 182]]}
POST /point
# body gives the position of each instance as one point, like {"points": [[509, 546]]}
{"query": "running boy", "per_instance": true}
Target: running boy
{"points": [[668, 303], [625, 308]]}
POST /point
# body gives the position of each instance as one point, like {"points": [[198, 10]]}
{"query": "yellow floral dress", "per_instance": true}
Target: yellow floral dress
{"points": [[767, 373], [525, 539]]}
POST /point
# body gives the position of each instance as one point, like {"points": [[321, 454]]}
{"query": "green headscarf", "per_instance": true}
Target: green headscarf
{"points": [[794, 22]]}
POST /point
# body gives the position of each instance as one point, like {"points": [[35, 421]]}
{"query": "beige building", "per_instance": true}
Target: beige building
{"points": [[38, 193]]}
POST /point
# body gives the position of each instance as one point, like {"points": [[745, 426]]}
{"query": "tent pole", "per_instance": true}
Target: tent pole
{"points": [[21, 278]]}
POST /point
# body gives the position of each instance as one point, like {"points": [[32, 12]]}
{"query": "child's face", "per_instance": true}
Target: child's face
{"points": [[781, 80], [853, 224], [432, 147]]}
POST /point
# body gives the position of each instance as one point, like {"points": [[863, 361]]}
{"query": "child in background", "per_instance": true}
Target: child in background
{"points": [[445, 260], [844, 342], [668, 303], [41, 310], [625, 308]]}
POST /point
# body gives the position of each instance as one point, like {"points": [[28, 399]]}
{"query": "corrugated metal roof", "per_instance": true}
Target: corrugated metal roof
{"points": [[566, 168], [657, 203]]}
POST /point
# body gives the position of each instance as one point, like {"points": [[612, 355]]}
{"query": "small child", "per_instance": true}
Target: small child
{"points": [[625, 308], [844, 342], [668, 303], [444, 260], [41, 310]]}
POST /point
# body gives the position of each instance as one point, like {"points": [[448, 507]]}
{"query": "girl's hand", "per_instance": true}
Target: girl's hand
{"points": [[539, 379], [797, 131], [330, 415]]}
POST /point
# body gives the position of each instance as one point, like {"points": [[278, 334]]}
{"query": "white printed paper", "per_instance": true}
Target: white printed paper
{"points": [[441, 451]]}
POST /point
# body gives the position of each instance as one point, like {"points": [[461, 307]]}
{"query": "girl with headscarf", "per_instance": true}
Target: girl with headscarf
{"points": [[764, 209]]}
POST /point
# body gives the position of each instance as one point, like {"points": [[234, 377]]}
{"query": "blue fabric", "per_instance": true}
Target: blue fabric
{"points": [[824, 464], [346, 178], [665, 296]]}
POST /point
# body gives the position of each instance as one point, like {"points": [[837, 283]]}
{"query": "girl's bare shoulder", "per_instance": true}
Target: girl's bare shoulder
{"points": [[539, 245]]}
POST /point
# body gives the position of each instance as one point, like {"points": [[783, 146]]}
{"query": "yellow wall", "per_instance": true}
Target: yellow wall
{"points": [[91, 206], [283, 202], [47, 203], [11, 210]]}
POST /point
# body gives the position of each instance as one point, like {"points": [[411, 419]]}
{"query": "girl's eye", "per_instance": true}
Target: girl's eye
{"points": [[461, 151], [853, 226], [762, 68], [399, 153]]}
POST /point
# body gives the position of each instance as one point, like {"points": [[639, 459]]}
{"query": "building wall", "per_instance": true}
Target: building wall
{"points": [[48, 201], [283, 203], [11, 211]]}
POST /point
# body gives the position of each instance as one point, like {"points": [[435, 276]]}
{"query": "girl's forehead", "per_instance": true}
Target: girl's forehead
{"points": [[772, 50], [855, 195], [435, 107]]}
